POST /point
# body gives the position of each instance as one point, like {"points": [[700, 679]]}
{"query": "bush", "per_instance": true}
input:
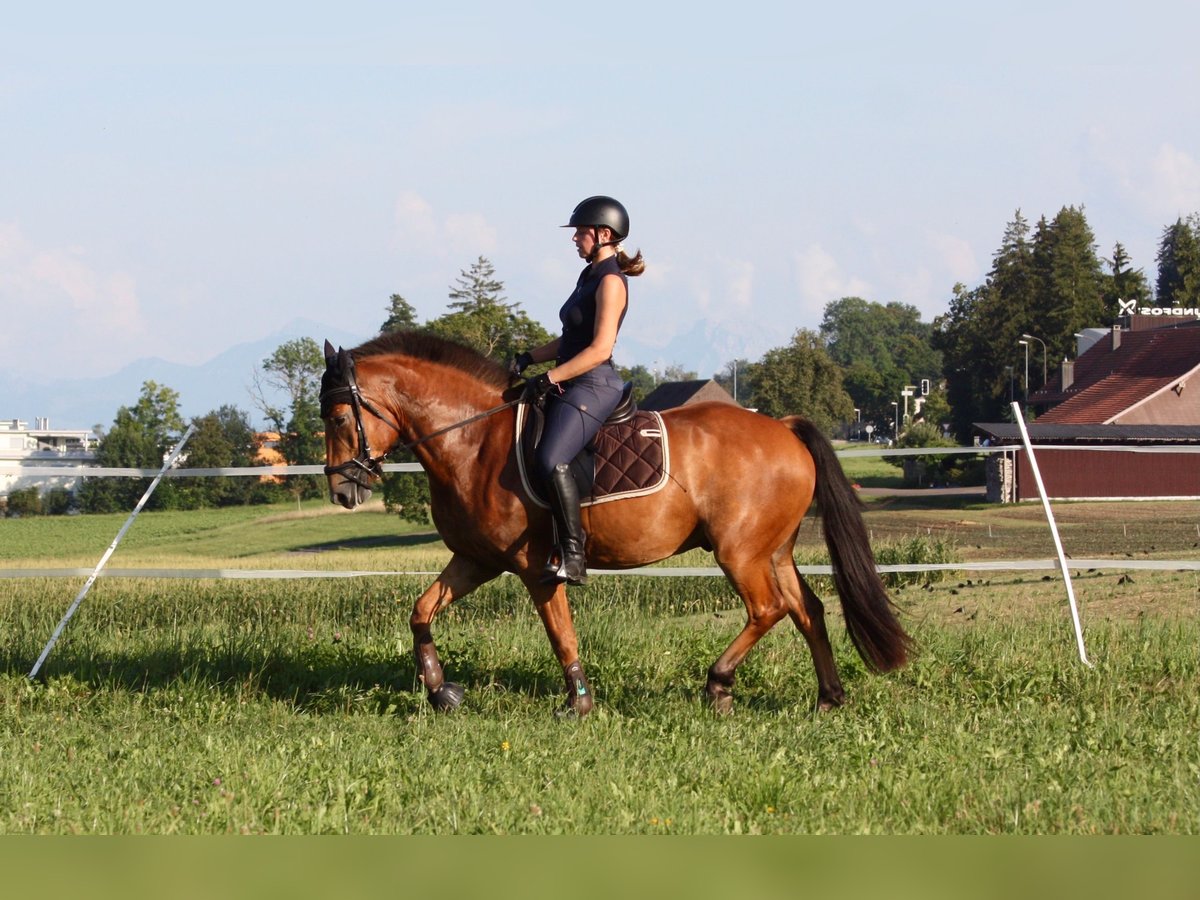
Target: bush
{"points": [[919, 550], [23, 502], [922, 471], [58, 502]]}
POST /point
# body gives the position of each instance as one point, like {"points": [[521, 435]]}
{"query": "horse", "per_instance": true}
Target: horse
{"points": [[741, 482]]}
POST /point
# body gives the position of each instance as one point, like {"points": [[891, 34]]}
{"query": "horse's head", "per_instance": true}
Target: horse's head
{"points": [[350, 465]]}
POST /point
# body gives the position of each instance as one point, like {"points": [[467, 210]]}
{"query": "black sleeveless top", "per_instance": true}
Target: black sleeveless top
{"points": [[578, 314]]}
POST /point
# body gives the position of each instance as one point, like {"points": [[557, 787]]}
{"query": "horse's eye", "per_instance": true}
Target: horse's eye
{"points": [[341, 421]]}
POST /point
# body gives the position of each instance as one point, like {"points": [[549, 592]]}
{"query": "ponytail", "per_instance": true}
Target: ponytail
{"points": [[631, 266]]}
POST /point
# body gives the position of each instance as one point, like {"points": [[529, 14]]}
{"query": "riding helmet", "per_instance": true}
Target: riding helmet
{"points": [[601, 211]]}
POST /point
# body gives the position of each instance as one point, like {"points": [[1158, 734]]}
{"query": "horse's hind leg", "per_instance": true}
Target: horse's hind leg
{"points": [[765, 606], [459, 578], [808, 614]]}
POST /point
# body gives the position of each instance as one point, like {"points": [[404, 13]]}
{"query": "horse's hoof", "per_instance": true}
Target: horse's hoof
{"points": [[720, 701], [448, 697], [567, 713], [825, 704]]}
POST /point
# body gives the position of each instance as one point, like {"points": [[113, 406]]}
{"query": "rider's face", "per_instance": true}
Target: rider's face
{"points": [[585, 239]]}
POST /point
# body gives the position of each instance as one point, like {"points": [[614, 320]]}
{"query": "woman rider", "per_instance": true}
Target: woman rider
{"points": [[583, 387]]}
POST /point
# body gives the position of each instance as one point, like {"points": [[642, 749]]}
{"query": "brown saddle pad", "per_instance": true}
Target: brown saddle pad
{"points": [[631, 459]]}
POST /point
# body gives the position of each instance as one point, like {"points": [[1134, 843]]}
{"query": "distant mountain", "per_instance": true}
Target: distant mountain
{"points": [[80, 403], [705, 348]]}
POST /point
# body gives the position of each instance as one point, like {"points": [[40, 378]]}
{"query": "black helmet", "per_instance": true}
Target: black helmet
{"points": [[601, 212]]}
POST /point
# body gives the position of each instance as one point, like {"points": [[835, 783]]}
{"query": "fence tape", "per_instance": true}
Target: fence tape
{"points": [[76, 471], [1020, 565]]}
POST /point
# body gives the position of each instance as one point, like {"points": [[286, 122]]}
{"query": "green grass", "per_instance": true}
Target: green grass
{"points": [[871, 471], [174, 706]]}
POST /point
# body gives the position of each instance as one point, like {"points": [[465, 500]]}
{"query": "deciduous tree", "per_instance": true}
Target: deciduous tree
{"points": [[140, 438], [802, 379]]}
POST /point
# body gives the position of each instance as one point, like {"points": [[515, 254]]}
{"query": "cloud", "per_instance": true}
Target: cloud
{"points": [[57, 293], [1163, 182], [419, 226], [1173, 187], [956, 256], [820, 280]]}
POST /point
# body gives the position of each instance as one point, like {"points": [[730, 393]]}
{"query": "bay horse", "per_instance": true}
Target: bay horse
{"points": [[741, 483]]}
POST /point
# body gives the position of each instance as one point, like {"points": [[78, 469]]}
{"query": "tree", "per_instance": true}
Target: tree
{"points": [[407, 493], [960, 334], [676, 372], [641, 378], [919, 471], [1179, 263], [735, 378], [1125, 282], [481, 317], [223, 438], [802, 379], [401, 316], [1071, 282], [1051, 287], [140, 438], [881, 347], [295, 368]]}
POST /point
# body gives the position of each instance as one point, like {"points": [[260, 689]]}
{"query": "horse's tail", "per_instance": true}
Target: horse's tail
{"points": [[870, 615]]}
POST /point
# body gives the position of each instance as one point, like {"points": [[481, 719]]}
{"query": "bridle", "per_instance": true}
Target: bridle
{"points": [[364, 465]]}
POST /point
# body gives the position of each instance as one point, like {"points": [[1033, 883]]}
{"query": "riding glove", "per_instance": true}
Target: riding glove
{"points": [[520, 363], [537, 388]]}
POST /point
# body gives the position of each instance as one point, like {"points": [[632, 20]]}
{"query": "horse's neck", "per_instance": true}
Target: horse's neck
{"points": [[428, 405]]}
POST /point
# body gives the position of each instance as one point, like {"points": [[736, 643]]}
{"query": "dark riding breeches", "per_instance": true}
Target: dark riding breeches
{"points": [[574, 417]]}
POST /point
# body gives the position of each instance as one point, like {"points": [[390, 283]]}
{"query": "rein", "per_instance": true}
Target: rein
{"points": [[364, 465]]}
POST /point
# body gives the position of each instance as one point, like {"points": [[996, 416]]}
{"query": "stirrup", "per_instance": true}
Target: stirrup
{"points": [[557, 570]]}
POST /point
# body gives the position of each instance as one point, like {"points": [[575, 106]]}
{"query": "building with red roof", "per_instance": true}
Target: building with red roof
{"points": [[1131, 377], [1135, 390]]}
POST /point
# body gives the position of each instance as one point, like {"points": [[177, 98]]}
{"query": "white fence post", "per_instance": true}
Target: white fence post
{"points": [[109, 552], [1062, 557]]}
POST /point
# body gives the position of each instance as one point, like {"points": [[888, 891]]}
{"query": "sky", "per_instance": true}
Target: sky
{"points": [[176, 179]]}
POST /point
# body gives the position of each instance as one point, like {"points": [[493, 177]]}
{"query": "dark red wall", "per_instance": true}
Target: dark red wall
{"points": [[1110, 473]]}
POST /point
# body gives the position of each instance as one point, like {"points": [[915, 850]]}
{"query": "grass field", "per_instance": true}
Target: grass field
{"points": [[206, 706]]}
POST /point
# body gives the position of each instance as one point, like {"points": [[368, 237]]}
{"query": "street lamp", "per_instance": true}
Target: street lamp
{"points": [[896, 421], [1030, 337], [1025, 344]]}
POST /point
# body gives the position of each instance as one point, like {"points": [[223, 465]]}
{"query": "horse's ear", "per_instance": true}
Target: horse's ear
{"points": [[345, 361], [330, 353]]}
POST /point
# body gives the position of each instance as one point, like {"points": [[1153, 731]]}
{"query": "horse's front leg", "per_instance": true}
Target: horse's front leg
{"points": [[552, 607], [459, 578]]}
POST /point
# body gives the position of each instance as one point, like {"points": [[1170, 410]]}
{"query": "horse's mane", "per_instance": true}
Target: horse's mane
{"points": [[434, 349]]}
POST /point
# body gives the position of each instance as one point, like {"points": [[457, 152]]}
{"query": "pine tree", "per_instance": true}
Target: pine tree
{"points": [[1125, 282], [481, 317], [1179, 263], [401, 315], [1071, 280]]}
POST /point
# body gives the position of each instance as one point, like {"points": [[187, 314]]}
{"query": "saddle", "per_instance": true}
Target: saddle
{"points": [[628, 457]]}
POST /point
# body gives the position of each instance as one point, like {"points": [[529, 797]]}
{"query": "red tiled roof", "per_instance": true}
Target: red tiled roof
{"points": [[1108, 382]]}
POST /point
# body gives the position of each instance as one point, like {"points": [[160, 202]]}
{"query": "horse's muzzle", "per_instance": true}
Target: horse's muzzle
{"points": [[348, 493]]}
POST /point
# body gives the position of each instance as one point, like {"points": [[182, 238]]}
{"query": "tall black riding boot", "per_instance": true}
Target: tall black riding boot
{"points": [[568, 563]]}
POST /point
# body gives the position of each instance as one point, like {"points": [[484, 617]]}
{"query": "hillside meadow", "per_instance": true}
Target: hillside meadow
{"points": [[201, 705]]}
